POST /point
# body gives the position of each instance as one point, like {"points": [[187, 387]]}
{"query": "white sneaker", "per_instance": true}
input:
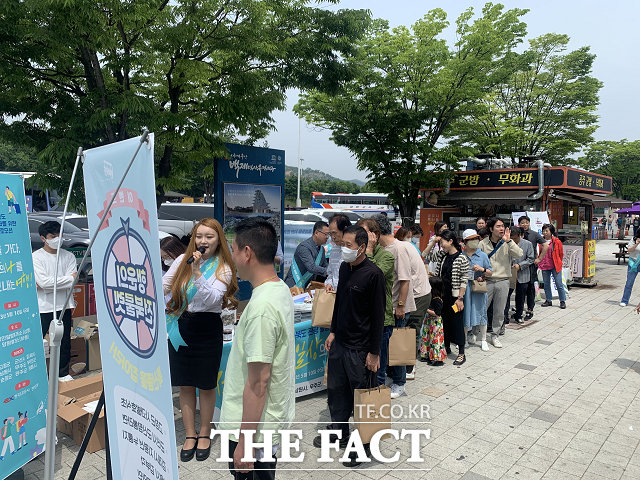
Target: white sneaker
{"points": [[466, 344], [412, 375], [68, 378], [622, 304], [485, 346], [396, 390], [471, 339], [495, 342]]}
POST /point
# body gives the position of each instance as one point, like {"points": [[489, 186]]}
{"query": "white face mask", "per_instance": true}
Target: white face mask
{"points": [[415, 240], [53, 243], [473, 243], [168, 261], [349, 255]]}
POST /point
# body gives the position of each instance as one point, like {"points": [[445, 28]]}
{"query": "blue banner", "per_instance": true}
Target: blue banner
{"points": [[23, 371], [249, 183], [311, 358], [130, 309]]}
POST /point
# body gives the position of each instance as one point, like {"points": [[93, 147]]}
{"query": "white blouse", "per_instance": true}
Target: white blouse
{"points": [[209, 294]]}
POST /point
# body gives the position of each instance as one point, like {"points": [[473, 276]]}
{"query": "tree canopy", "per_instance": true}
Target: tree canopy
{"points": [[546, 109], [619, 160], [410, 86], [88, 73]]}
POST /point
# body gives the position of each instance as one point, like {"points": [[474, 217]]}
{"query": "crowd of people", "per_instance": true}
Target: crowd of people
{"points": [[454, 293]]}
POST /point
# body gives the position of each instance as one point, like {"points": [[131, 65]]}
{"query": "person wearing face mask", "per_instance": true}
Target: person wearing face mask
{"points": [[416, 235], [475, 303], [44, 267], [356, 332], [338, 223], [170, 249]]}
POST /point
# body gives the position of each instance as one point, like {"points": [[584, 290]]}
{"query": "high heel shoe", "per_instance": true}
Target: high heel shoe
{"points": [[203, 453], [186, 455]]}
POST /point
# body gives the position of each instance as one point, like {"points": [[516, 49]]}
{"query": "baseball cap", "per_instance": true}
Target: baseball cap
{"points": [[469, 234]]}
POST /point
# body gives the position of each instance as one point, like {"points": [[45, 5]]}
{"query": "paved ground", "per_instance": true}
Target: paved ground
{"points": [[559, 401]]}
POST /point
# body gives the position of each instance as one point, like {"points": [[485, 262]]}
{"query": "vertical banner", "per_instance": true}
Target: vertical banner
{"points": [[590, 258], [249, 183], [129, 302], [23, 371]]}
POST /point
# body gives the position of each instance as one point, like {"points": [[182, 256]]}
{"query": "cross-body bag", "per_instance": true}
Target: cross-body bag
{"points": [[496, 249]]}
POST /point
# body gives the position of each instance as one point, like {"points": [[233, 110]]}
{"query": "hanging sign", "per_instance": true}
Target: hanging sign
{"points": [[130, 309], [23, 371]]}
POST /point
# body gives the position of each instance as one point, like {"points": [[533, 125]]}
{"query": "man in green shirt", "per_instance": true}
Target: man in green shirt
{"points": [[260, 376]]}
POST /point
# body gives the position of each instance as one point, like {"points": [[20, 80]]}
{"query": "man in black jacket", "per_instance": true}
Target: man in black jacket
{"points": [[356, 331]]}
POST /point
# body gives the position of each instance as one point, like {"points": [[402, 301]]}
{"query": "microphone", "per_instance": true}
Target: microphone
{"points": [[201, 250]]}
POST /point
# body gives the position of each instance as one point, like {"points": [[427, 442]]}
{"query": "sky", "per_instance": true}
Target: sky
{"points": [[609, 28]]}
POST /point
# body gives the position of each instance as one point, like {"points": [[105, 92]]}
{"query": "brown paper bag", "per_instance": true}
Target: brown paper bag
{"points": [[322, 310], [326, 369], [402, 347], [370, 407]]}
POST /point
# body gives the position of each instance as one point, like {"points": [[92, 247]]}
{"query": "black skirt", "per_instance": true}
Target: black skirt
{"points": [[197, 364]]}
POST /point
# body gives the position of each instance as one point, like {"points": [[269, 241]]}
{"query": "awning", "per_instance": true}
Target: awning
{"points": [[597, 200], [508, 197]]}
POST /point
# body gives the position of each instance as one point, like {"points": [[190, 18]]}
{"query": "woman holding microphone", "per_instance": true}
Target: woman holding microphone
{"points": [[201, 282]]}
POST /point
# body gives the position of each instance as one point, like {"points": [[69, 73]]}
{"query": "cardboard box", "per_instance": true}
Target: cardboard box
{"points": [[73, 420], [78, 360], [88, 329]]}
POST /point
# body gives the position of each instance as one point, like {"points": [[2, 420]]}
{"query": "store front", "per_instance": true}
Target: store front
{"points": [[567, 195]]}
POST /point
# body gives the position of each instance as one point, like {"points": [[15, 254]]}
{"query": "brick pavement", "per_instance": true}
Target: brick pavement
{"points": [[558, 401]]}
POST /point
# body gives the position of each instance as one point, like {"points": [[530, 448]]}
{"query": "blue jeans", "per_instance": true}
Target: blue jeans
{"points": [[399, 374], [546, 277], [384, 354], [631, 277]]}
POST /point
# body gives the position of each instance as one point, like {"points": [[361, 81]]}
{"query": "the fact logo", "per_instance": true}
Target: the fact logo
{"points": [[290, 444]]}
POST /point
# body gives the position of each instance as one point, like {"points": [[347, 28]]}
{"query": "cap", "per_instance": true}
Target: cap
{"points": [[469, 234]]}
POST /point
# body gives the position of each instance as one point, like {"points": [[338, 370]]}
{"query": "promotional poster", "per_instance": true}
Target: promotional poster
{"points": [[23, 371], [129, 300]]}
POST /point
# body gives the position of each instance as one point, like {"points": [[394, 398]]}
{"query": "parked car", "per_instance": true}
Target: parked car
{"points": [[73, 237], [304, 216], [179, 218], [75, 219], [328, 213]]}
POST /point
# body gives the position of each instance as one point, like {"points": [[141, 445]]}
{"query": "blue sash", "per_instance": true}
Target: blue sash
{"points": [[301, 280], [173, 330]]}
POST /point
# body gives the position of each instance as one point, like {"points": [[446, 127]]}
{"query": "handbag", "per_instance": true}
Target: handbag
{"points": [[322, 309], [479, 285]]}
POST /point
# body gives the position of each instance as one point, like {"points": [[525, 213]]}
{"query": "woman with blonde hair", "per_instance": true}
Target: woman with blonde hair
{"points": [[199, 289]]}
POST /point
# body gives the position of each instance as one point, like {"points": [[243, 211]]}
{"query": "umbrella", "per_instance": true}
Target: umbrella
{"points": [[634, 210]]}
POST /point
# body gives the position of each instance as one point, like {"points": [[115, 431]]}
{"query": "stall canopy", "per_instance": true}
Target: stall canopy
{"points": [[511, 197], [597, 200]]}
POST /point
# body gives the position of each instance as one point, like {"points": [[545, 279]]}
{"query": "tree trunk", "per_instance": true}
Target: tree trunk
{"points": [[408, 207], [164, 168]]}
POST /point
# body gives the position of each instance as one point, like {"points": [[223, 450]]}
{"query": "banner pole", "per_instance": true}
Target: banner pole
{"points": [[56, 332], [52, 407]]}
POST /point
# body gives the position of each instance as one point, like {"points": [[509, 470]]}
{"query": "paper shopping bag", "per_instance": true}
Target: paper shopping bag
{"points": [[326, 370], [322, 310], [402, 347], [371, 411]]}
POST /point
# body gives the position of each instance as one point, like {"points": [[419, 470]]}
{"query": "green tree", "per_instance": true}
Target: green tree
{"points": [[15, 158], [409, 88], [546, 109], [620, 161], [88, 73]]}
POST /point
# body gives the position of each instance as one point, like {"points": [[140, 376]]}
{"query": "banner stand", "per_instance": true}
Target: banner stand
{"points": [[56, 328], [87, 436]]}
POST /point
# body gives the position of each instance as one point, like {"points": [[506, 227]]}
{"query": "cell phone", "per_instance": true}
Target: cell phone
{"points": [[455, 308]]}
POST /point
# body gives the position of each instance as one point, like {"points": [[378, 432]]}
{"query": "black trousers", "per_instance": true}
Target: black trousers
{"points": [[263, 470], [531, 288], [452, 323], [65, 343], [347, 371], [521, 294]]}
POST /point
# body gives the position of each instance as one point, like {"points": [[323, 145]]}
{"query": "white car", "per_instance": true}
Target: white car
{"points": [[305, 216], [328, 213], [179, 218]]}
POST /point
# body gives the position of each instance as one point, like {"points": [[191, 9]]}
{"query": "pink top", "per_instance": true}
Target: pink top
{"points": [[547, 262]]}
